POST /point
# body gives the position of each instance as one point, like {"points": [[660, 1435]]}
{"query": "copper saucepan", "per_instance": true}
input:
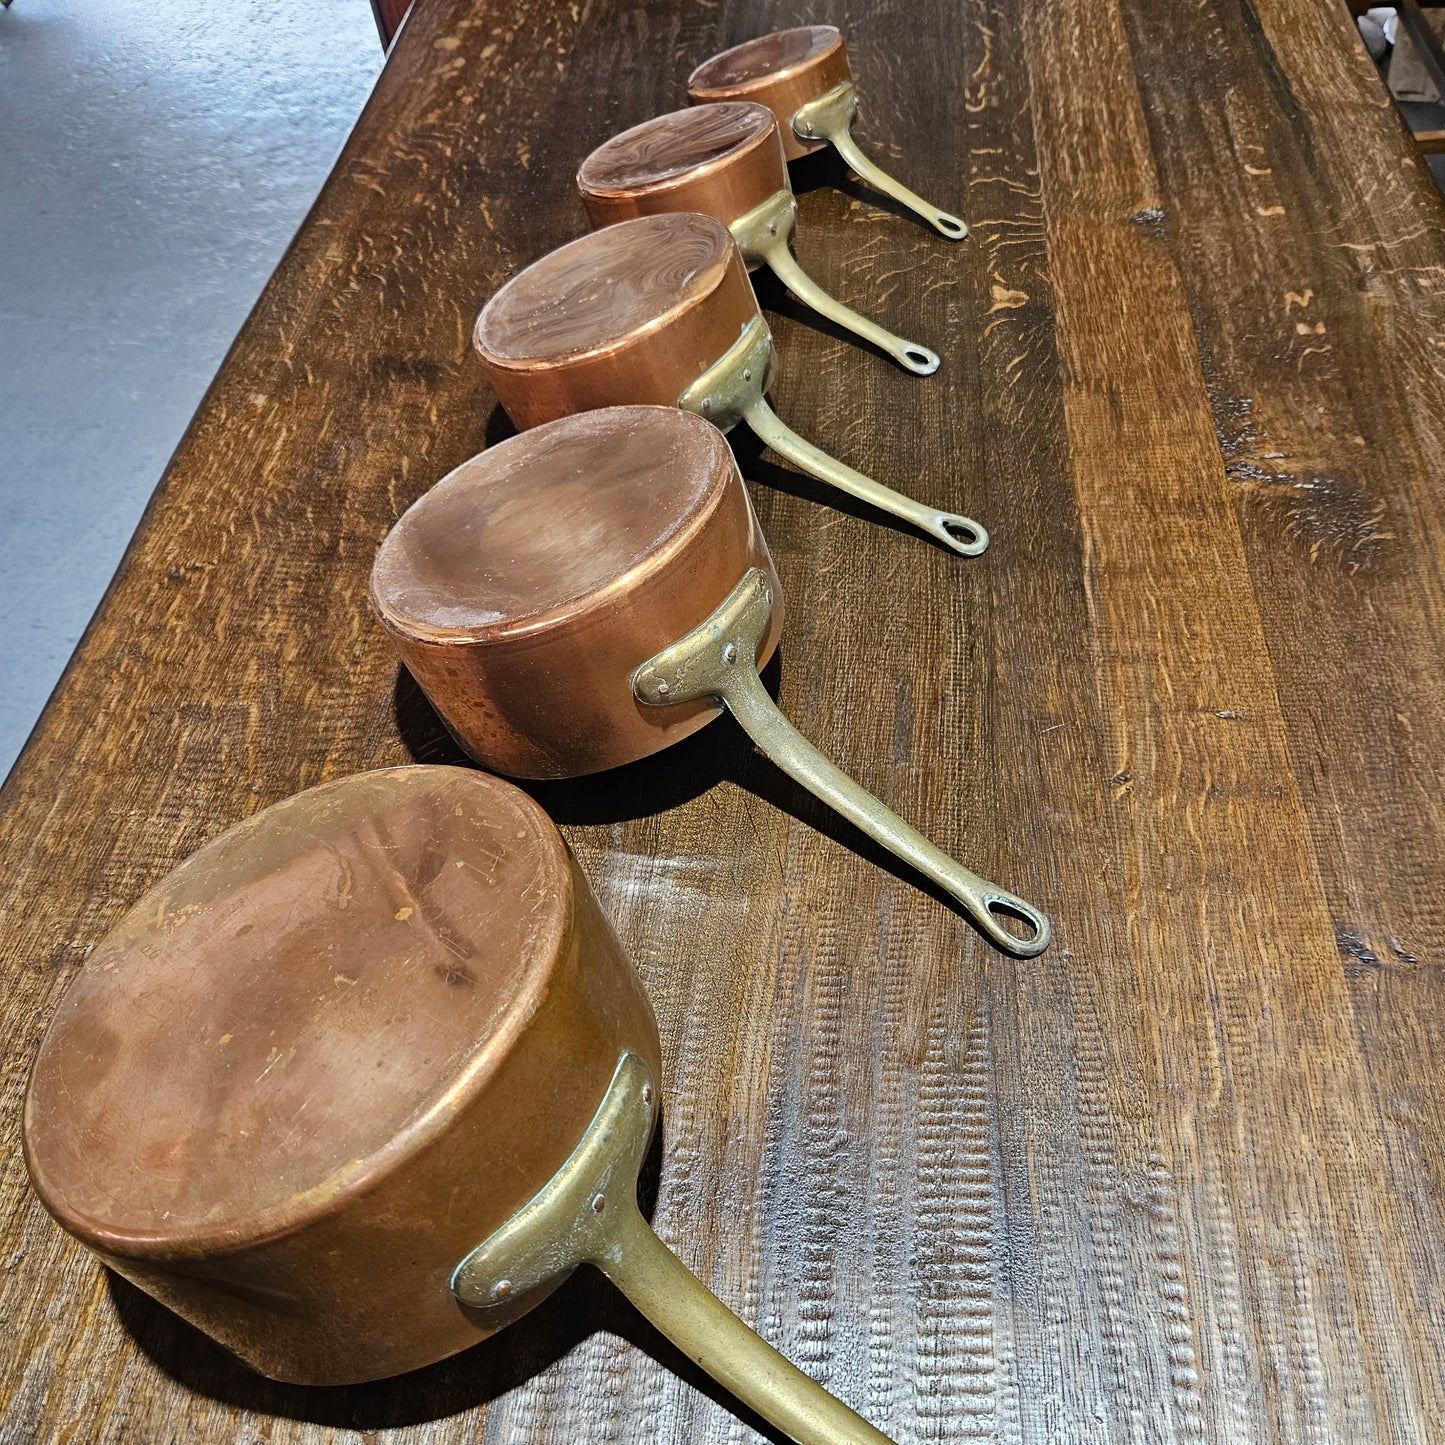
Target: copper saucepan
{"points": [[725, 161], [589, 592], [366, 1078], [659, 310], [802, 76]]}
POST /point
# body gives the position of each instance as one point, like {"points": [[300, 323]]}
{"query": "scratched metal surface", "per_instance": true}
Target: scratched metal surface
{"points": [[1179, 1178]]}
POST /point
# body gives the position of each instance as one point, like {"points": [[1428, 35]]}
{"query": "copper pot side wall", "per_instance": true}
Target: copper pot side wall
{"points": [[652, 365], [762, 73], [363, 1292], [725, 189], [558, 703]]}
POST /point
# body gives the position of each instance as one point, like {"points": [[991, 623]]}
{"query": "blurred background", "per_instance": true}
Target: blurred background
{"points": [[1405, 42], [158, 156]]}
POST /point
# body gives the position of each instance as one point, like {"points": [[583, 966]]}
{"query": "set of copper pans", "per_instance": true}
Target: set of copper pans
{"points": [[368, 1076]]}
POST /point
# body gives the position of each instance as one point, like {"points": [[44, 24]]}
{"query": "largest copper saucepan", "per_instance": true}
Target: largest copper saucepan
{"points": [[589, 592], [362, 1081], [659, 310]]}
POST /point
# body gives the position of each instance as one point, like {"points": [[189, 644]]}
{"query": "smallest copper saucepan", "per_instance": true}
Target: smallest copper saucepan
{"points": [[802, 76], [725, 161], [365, 1079], [592, 591], [659, 311]]}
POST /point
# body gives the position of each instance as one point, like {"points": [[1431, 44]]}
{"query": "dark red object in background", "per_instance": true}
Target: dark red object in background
{"points": [[389, 15]]}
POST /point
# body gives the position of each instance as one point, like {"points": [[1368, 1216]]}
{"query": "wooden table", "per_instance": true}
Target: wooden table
{"points": [[1184, 1176]]}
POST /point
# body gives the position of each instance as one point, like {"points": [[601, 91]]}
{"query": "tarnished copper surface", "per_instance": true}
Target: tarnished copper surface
{"points": [[325, 1057], [721, 160], [782, 71], [626, 315], [525, 588]]}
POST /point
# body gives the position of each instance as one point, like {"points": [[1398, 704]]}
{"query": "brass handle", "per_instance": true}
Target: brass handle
{"points": [[830, 118], [714, 1338], [731, 390], [587, 1214], [920, 360], [719, 659], [765, 235], [958, 533]]}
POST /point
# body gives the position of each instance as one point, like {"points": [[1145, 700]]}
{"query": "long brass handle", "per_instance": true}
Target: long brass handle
{"points": [[764, 234], [830, 118], [587, 1214], [958, 533], [718, 659], [715, 1339], [942, 221], [731, 390], [920, 360]]}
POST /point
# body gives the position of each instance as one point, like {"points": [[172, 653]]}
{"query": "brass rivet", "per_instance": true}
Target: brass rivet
{"points": [[663, 689], [501, 1289], [730, 653], [599, 1204]]}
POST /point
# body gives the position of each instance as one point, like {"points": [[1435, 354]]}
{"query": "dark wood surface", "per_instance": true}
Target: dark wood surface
{"points": [[1184, 1176]]}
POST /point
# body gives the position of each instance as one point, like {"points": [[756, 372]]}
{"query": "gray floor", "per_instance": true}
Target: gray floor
{"points": [[157, 157]]}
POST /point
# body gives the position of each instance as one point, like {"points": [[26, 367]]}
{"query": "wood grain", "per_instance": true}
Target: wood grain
{"points": [[1178, 1179]]}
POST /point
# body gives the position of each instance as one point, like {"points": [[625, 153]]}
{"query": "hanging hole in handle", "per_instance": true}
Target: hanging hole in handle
{"points": [[1007, 914], [962, 535], [919, 359], [951, 226]]}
